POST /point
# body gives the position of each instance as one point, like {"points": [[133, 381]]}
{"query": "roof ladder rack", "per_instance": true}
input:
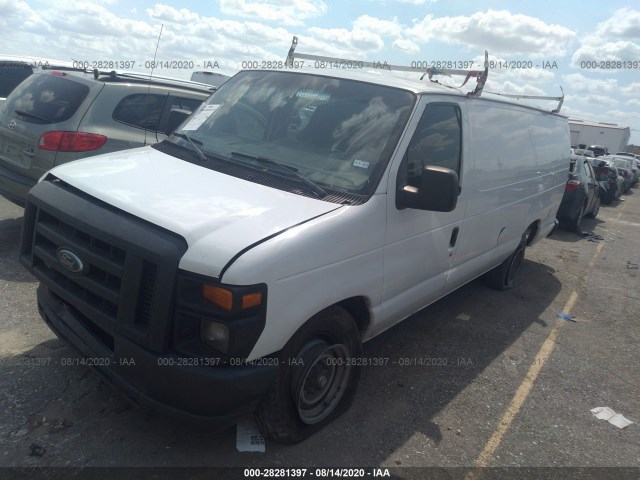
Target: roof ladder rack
{"points": [[559, 99], [480, 75]]}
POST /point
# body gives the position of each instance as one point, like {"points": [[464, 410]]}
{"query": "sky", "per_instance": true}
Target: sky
{"points": [[535, 46]]}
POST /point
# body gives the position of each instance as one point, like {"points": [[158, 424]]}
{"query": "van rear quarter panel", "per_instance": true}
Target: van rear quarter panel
{"points": [[520, 160]]}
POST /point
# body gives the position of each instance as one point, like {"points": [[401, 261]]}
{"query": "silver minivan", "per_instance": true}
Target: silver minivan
{"points": [[57, 116]]}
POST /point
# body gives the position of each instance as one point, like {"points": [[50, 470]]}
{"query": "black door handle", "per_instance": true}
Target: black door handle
{"points": [[454, 237]]}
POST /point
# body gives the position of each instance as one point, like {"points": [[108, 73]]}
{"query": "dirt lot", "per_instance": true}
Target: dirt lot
{"points": [[507, 383]]}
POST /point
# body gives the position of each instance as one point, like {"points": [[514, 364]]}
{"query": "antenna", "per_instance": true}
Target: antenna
{"points": [[153, 64]]}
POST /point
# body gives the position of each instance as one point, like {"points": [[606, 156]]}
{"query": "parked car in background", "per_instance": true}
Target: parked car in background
{"points": [[55, 117], [598, 150], [14, 70], [633, 162], [610, 180], [581, 194], [584, 152], [627, 154], [624, 168], [210, 78]]}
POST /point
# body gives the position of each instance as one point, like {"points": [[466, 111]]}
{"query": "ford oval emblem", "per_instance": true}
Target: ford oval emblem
{"points": [[12, 125], [70, 261]]}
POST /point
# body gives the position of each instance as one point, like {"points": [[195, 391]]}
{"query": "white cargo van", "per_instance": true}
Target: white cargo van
{"points": [[239, 265]]}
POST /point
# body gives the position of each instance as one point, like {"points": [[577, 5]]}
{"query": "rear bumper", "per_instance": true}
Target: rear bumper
{"points": [[14, 186], [187, 389], [571, 202]]}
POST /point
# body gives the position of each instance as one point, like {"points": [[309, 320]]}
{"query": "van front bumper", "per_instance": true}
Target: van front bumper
{"points": [[196, 390]]}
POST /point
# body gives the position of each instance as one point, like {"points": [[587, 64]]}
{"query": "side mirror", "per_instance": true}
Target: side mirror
{"points": [[438, 191]]}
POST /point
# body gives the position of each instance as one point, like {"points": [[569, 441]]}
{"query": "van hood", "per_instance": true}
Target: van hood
{"points": [[217, 214]]}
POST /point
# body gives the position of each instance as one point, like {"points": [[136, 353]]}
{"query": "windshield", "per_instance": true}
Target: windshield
{"points": [[338, 134]]}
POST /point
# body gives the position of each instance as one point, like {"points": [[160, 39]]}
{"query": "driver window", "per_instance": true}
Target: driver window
{"points": [[437, 141]]}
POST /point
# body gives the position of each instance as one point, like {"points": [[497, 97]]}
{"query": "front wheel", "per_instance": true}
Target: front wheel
{"points": [[317, 381]]}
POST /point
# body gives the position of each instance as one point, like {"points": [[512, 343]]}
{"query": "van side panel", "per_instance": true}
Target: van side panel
{"points": [[520, 164]]}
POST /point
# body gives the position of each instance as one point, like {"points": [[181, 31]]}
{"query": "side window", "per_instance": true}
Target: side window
{"points": [[179, 108], [437, 141], [140, 110]]}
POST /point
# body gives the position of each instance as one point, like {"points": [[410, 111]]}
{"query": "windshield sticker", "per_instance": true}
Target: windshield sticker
{"points": [[360, 163], [200, 117], [313, 95]]}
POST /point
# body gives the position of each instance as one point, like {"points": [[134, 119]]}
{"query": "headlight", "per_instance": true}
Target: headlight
{"points": [[214, 318], [215, 334]]}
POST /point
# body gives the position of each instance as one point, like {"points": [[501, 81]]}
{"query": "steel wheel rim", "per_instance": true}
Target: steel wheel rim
{"points": [[324, 384]]}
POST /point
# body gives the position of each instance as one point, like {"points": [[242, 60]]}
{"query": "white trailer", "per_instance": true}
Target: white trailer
{"points": [[609, 135]]}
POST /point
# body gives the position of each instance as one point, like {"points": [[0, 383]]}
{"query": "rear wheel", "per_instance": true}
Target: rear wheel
{"points": [[596, 209], [574, 224], [610, 195], [503, 276], [317, 380]]}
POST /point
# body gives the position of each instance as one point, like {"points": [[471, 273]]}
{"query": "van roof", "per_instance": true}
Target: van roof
{"points": [[381, 73], [419, 87]]}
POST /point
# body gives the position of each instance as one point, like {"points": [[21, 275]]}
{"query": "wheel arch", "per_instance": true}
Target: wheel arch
{"points": [[357, 307], [532, 231]]}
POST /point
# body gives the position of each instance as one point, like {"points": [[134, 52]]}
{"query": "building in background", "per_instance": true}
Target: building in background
{"points": [[609, 135]]}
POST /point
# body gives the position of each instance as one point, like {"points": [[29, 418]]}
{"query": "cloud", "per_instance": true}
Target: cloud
{"points": [[631, 89], [90, 32], [20, 16], [340, 41], [167, 13], [592, 99], [500, 32], [579, 83], [613, 40], [286, 12], [406, 46], [603, 51], [381, 27], [513, 89], [624, 23]]}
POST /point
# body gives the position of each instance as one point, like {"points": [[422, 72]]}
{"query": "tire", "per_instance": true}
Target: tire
{"points": [[574, 224], [594, 213], [503, 276], [317, 380], [610, 196]]}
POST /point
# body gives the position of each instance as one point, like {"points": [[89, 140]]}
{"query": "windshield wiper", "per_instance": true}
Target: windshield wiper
{"points": [[201, 155], [286, 169], [27, 114]]}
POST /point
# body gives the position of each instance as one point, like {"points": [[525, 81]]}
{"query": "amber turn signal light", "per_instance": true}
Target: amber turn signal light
{"points": [[219, 296], [251, 300]]}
